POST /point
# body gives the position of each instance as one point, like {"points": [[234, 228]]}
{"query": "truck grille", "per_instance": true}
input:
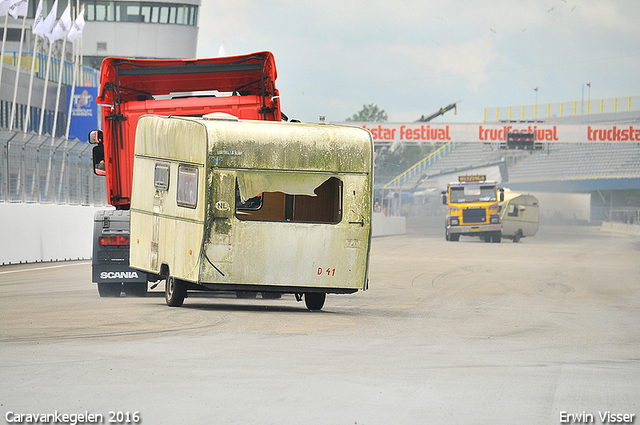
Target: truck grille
{"points": [[474, 215]]}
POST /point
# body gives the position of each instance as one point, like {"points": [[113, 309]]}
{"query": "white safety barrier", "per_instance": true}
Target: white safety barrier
{"points": [[48, 232], [382, 225], [45, 232], [627, 229]]}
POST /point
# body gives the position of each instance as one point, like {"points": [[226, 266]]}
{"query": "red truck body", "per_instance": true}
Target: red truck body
{"points": [[243, 86]]}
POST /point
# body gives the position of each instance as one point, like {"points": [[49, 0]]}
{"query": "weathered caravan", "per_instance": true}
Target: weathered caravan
{"points": [[252, 206], [518, 215]]}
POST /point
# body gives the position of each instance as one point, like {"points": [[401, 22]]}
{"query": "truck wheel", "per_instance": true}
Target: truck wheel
{"points": [[518, 236], [314, 300], [454, 237], [109, 290], [138, 289], [497, 237], [174, 292]]}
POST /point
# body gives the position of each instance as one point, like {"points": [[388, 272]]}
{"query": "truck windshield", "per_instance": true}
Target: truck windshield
{"points": [[473, 193]]}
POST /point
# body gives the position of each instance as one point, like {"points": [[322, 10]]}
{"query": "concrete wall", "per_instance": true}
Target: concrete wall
{"points": [[626, 229], [41, 232], [387, 226]]}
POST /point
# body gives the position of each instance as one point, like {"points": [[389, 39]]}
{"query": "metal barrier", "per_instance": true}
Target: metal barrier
{"points": [[43, 169], [562, 109], [88, 76], [627, 215]]}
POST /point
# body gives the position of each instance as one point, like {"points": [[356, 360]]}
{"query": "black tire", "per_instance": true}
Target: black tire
{"points": [[454, 237], [314, 300], [271, 295], [518, 236], [174, 292], [487, 238], [109, 290], [138, 289], [497, 237]]}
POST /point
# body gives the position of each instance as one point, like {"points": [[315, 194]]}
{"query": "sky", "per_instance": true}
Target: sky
{"points": [[410, 58]]}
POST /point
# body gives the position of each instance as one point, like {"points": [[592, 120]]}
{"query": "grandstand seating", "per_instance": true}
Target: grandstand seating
{"points": [[557, 161]]}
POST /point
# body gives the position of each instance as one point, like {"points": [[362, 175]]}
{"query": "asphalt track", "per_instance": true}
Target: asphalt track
{"points": [[449, 333]]}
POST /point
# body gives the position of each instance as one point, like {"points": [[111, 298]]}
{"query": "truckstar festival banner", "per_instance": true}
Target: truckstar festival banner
{"points": [[84, 113], [438, 133]]}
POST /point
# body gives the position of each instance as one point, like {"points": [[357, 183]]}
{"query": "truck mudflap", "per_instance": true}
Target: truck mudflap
{"points": [[117, 274]]}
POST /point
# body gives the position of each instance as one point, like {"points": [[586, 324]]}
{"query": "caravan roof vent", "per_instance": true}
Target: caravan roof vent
{"points": [[220, 116]]}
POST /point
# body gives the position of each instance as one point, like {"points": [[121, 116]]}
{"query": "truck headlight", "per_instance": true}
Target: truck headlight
{"points": [[453, 221], [495, 219]]}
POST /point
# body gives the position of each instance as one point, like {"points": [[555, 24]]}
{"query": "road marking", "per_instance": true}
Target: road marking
{"points": [[44, 268]]}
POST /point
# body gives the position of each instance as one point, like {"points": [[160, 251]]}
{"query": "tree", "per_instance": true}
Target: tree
{"points": [[370, 113]]}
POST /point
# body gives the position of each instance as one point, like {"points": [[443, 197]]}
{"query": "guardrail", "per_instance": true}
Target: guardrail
{"points": [[43, 169], [562, 109], [627, 215], [420, 166], [89, 77]]}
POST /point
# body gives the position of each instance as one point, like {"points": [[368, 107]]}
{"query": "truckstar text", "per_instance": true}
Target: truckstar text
{"points": [[614, 135]]}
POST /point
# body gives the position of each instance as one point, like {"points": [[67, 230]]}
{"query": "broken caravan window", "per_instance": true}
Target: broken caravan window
{"points": [[288, 203]]}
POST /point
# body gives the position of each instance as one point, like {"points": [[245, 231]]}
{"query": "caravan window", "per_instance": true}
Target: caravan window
{"points": [[187, 193], [289, 197], [161, 176]]}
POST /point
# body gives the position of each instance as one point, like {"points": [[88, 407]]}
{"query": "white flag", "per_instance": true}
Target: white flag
{"points": [[4, 7], [76, 29], [18, 8], [38, 19], [47, 24], [62, 27]]}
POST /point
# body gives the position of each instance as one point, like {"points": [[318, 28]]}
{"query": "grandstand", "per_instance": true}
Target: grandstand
{"points": [[609, 171]]}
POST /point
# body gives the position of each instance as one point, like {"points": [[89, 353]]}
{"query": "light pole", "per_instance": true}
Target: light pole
{"points": [[589, 97]]}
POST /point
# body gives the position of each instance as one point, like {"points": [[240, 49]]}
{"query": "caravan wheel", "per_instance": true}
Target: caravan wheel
{"points": [[174, 292], [518, 236], [314, 300]]}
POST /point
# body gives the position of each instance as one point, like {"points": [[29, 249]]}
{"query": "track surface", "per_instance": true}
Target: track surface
{"points": [[449, 332]]}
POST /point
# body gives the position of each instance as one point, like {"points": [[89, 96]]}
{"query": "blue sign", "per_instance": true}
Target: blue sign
{"points": [[84, 112]]}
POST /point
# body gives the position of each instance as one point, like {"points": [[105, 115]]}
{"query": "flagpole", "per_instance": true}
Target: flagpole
{"points": [[33, 67], [74, 34], [57, 107], [15, 88], [38, 31], [4, 41], [73, 88], [44, 93], [62, 55]]}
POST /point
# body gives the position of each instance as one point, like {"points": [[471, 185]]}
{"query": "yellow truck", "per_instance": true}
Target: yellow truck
{"points": [[222, 204], [472, 209]]}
